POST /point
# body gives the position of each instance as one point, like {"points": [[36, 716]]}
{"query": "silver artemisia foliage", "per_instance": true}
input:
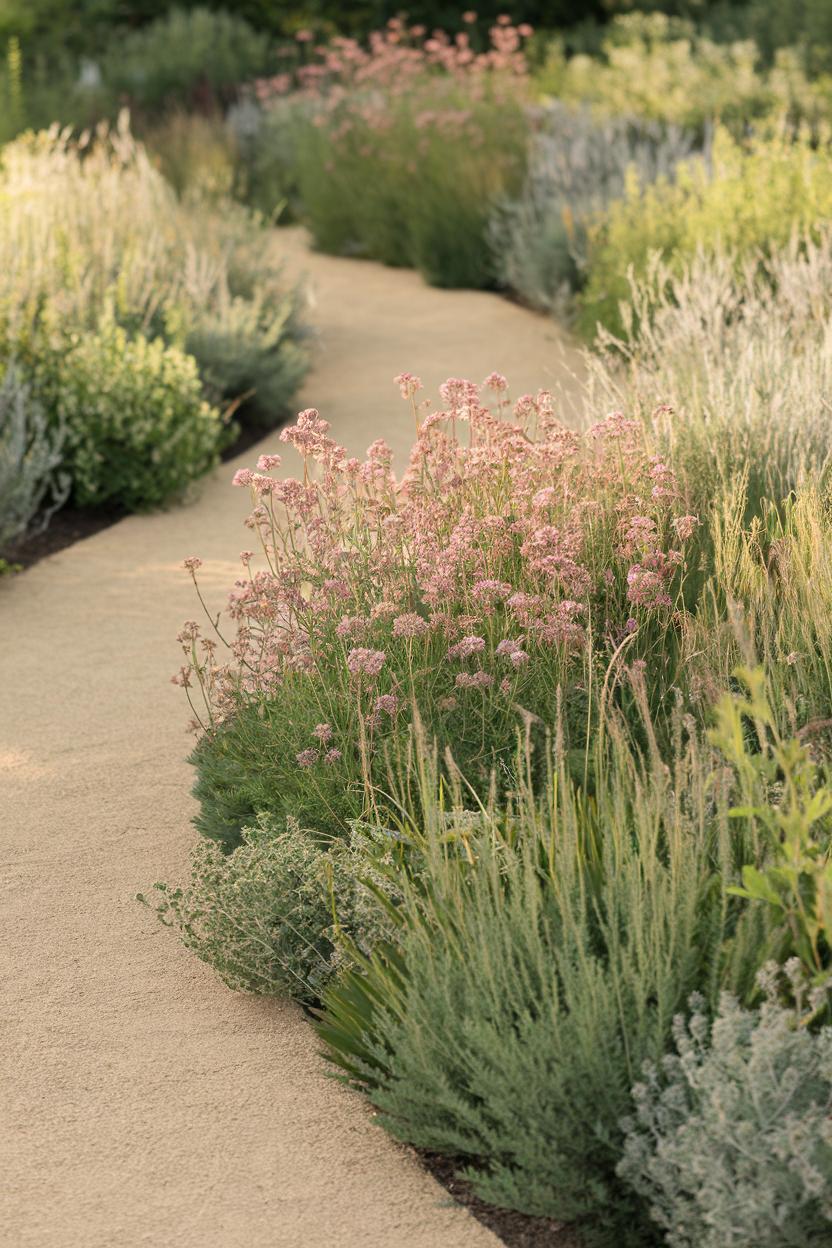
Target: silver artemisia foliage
{"points": [[731, 1142], [31, 488]]}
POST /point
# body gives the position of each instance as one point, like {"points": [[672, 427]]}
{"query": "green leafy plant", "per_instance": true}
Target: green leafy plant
{"points": [[794, 881], [139, 431]]}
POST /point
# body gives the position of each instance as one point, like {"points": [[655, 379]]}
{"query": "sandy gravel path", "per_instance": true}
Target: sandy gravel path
{"points": [[141, 1102]]}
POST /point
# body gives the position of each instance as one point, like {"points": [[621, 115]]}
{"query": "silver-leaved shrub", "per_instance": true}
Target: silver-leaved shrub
{"points": [[30, 452], [731, 1142]]}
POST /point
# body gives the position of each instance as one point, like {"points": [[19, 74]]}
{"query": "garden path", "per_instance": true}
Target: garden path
{"points": [[143, 1102]]}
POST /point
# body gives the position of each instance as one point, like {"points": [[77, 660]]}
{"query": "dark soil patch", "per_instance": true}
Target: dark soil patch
{"points": [[73, 524], [516, 1230], [67, 526]]}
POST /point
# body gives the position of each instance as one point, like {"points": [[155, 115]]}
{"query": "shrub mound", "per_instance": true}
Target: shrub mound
{"points": [[116, 298]]}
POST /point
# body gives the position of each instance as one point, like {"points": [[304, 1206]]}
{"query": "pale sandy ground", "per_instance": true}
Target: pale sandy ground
{"points": [[142, 1102]]}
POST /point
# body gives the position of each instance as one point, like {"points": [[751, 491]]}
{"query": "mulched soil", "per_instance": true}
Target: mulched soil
{"points": [[72, 524], [67, 526], [516, 1230]]}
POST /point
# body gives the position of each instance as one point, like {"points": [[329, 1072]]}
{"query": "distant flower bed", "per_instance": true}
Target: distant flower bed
{"points": [[398, 150]]}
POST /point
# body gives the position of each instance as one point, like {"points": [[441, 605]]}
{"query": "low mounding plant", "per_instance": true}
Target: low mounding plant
{"points": [[750, 198], [490, 575], [138, 430], [734, 357], [731, 1141], [258, 916], [403, 148], [32, 485], [578, 164], [272, 916]]}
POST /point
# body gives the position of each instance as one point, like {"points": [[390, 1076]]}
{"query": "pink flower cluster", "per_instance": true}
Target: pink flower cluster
{"points": [[396, 57], [504, 538]]}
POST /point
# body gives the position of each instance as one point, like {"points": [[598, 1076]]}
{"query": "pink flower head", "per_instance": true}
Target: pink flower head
{"points": [[350, 626], [192, 563], [469, 16], [410, 625], [496, 382], [242, 476], [332, 756], [246, 557], [307, 758], [490, 591], [408, 384], [365, 662], [646, 587], [467, 646], [686, 526], [460, 395], [266, 462], [474, 680], [323, 732], [388, 702]]}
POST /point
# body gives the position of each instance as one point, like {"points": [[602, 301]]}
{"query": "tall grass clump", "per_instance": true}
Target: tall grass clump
{"points": [[729, 358], [541, 956], [750, 197], [403, 148], [93, 236], [578, 164], [514, 557]]}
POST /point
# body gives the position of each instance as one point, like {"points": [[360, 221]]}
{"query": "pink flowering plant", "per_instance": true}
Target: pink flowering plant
{"points": [[514, 571], [400, 148]]}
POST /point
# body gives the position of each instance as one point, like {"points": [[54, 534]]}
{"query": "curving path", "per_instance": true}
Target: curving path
{"points": [[141, 1102]]}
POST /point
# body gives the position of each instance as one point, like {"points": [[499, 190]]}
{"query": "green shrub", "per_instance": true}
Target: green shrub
{"points": [[658, 67], [32, 486], [541, 957], [263, 916], [251, 347], [139, 431], [731, 1143], [258, 916], [92, 233], [267, 140], [749, 199], [186, 56]]}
